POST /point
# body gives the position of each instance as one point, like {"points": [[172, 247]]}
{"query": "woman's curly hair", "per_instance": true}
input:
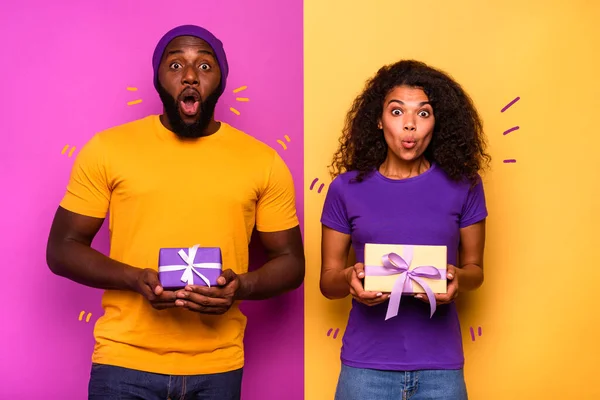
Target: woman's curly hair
{"points": [[457, 144]]}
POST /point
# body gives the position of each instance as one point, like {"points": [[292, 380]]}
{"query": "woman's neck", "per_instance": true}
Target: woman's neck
{"points": [[395, 168]]}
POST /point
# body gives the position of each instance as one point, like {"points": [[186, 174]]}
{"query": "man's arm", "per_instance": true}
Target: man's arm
{"points": [[284, 270], [69, 254], [279, 232]]}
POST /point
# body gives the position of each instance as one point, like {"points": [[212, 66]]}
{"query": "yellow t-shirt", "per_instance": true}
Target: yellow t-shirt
{"points": [[163, 192]]}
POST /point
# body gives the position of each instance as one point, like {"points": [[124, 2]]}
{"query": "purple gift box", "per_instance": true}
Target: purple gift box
{"points": [[178, 267]]}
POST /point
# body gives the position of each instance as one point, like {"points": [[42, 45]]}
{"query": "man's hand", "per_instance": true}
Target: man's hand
{"points": [[148, 285], [451, 292], [353, 275], [211, 300]]}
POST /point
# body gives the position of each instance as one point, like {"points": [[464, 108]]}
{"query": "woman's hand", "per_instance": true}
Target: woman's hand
{"points": [[354, 275], [452, 288]]}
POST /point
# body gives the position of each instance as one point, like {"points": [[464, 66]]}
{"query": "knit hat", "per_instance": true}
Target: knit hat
{"points": [[201, 33]]}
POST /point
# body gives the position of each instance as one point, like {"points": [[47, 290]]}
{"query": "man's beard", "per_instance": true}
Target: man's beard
{"points": [[178, 126]]}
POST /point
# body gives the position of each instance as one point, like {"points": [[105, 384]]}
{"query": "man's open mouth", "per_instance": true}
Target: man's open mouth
{"points": [[189, 102]]}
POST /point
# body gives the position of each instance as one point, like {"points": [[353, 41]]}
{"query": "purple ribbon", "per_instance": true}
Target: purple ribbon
{"points": [[394, 264]]}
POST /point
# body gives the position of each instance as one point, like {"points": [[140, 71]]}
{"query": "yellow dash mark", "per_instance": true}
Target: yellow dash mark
{"points": [[132, 89], [87, 319], [287, 138], [65, 149], [282, 144], [131, 103], [240, 89], [233, 110], [242, 99]]}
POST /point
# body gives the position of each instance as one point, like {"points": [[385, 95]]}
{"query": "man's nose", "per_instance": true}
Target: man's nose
{"points": [[190, 76]]}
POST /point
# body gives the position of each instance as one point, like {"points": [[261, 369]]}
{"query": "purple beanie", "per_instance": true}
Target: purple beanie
{"points": [[201, 33]]}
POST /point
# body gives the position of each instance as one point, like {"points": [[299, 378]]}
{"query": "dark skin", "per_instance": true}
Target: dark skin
{"points": [[188, 63]]}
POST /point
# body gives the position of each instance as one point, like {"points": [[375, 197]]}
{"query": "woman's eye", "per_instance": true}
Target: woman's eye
{"points": [[424, 114], [396, 112]]}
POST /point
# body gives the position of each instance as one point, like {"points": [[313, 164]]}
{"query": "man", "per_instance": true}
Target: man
{"points": [[176, 180]]}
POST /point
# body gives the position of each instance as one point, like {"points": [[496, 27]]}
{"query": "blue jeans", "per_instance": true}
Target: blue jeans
{"points": [[367, 384], [108, 382]]}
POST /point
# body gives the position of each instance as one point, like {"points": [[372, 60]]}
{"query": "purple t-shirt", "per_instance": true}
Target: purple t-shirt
{"points": [[428, 209]]}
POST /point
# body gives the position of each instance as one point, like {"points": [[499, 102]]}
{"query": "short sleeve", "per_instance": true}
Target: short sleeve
{"points": [[334, 213], [474, 209], [88, 190], [276, 206]]}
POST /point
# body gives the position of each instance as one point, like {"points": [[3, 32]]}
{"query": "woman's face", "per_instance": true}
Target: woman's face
{"points": [[407, 122]]}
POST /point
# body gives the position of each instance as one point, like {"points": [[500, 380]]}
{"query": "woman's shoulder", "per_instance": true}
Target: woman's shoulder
{"points": [[351, 177], [345, 177], [464, 183], [340, 185]]}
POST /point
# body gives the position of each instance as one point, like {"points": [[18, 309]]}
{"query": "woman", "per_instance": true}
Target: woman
{"points": [[406, 172]]}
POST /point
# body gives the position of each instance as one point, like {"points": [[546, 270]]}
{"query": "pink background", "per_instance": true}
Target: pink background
{"points": [[65, 70]]}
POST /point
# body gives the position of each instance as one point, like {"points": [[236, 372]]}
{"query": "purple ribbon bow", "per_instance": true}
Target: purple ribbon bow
{"points": [[393, 264]]}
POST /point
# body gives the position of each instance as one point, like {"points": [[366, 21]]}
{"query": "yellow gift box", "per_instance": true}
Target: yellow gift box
{"points": [[405, 269]]}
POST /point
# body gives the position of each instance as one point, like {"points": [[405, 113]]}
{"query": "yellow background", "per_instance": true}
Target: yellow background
{"points": [[537, 308]]}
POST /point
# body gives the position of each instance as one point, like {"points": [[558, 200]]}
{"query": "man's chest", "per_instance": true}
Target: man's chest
{"points": [[184, 182]]}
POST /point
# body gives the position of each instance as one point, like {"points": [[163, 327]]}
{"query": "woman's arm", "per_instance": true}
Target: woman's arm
{"points": [[334, 263], [337, 279], [472, 243], [469, 274]]}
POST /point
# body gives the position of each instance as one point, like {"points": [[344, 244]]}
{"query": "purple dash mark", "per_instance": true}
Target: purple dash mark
{"points": [[312, 185], [335, 333], [473, 332], [514, 128], [510, 161], [506, 107]]}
